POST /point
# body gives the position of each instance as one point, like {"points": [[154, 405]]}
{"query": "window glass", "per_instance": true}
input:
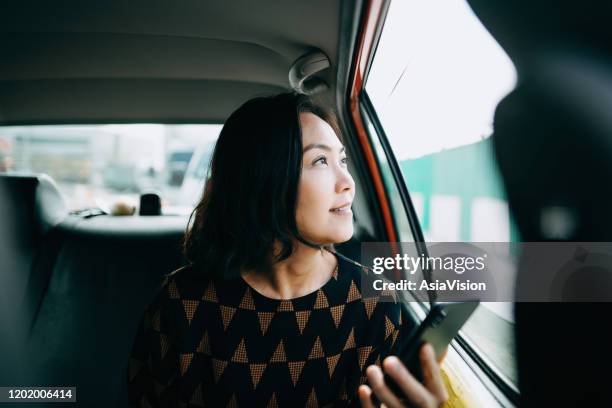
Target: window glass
{"points": [[99, 165], [401, 223], [435, 81]]}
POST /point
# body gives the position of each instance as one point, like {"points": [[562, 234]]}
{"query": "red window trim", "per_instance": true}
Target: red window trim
{"points": [[371, 20]]}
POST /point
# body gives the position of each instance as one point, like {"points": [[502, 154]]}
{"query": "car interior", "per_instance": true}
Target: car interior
{"points": [[73, 64], [75, 283]]}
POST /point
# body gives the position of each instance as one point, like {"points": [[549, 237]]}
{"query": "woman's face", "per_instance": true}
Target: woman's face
{"points": [[326, 189]]}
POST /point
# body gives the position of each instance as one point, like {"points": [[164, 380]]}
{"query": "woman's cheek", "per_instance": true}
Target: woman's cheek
{"points": [[313, 207]]}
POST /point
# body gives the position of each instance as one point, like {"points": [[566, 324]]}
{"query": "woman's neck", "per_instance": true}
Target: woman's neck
{"points": [[305, 271]]}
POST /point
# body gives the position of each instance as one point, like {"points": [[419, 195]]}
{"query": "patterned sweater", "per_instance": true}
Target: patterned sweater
{"points": [[221, 343]]}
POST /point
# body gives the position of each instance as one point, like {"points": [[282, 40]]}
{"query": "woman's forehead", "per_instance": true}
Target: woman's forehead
{"points": [[317, 131]]}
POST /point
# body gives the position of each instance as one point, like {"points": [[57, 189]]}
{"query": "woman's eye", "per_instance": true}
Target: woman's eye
{"points": [[321, 160]]}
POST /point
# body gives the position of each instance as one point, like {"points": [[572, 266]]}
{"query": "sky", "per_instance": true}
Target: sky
{"points": [[436, 77]]}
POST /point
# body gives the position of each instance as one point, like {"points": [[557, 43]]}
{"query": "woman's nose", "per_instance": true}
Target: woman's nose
{"points": [[344, 182]]}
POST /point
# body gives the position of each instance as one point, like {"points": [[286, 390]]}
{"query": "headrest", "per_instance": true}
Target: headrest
{"points": [[34, 203], [553, 143], [524, 27]]}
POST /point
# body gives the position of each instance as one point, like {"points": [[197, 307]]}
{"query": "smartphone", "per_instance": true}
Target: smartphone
{"points": [[441, 325]]}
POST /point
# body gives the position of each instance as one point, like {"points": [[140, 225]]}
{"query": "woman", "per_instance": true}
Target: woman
{"points": [[266, 313]]}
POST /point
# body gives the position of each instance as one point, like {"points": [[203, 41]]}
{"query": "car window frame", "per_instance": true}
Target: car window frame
{"points": [[468, 353], [495, 382]]}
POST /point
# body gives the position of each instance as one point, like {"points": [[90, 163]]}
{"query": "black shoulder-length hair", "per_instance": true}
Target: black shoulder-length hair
{"points": [[250, 199]]}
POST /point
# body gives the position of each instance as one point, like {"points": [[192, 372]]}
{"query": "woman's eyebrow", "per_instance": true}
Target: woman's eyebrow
{"points": [[321, 146]]}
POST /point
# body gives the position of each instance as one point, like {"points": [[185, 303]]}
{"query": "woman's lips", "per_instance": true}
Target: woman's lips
{"points": [[342, 212]]}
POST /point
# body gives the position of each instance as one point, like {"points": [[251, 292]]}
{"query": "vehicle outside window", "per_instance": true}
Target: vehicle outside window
{"points": [[434, 83], [96, 166]]}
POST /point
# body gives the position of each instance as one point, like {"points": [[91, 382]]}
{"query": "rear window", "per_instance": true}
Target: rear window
{"points": [[96, 166]]}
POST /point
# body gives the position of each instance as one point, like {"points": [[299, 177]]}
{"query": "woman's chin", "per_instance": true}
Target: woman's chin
{"points": [[342, 235], [336, 236]]}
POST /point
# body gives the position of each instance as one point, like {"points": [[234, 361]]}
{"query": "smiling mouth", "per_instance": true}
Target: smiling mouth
{"points": [[343, 209]]}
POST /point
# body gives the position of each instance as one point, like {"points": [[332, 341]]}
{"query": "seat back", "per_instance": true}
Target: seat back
{"points": [[106, 272], [33, 206]]}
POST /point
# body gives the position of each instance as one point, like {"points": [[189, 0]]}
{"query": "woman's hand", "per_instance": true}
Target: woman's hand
{"points": [[430, 394]]}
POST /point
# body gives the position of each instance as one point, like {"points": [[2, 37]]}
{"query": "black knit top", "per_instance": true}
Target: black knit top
{"points": [[221, 343]]}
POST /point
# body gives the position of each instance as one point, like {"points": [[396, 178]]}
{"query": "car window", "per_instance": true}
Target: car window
{"points": [[434, 84], [96, 166]]}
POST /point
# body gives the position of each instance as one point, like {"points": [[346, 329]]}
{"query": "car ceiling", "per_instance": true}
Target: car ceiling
{"points": [[154, 61]]}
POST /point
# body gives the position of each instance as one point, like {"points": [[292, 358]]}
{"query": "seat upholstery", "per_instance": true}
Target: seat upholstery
{"points": [[106, 272], [82, 283], [32, 207]]}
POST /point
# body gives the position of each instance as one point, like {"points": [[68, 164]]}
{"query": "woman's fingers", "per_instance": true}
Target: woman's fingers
{"points": [[431, 373], [430, 394], [414, 391], [365, 396], [384, 394]]}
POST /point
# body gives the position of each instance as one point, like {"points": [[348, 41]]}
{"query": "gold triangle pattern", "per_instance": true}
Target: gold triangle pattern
{"points": [[388, 327], [285, 305], [353, 293], [210, 295], [190, 307], [295, 368], [173, 290], [336, 312], [247, 300], [264, 320], [312, 399], [395, 333], [302, 319], [279, 355], [218, 367], [272, 403], [332, 361], [185, 360], [321, 301], [227, 313], [363, 353], [350, 341], [370, 305], [257, 371], [317, 350], [240, 355]]}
